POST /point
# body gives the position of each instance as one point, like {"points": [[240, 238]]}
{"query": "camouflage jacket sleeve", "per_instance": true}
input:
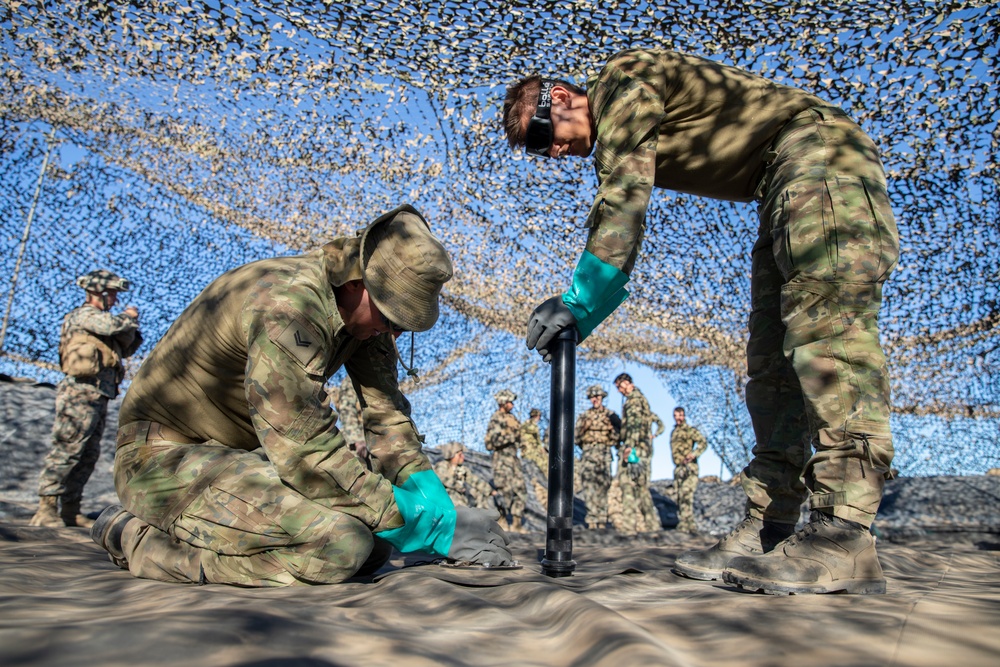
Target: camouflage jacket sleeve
{"points": [[288, 348], [123, 328], [446, 473], [480, 486], [660, 428], [502, 431], [627, 109], [395, 445]]}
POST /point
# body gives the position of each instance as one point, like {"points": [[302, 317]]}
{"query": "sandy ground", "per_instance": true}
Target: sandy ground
{"points": [[63, 603]]}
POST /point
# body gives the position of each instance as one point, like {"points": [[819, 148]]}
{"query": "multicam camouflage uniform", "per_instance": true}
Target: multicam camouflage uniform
{"points": [[349, 408], [638, 512], [229, 453], [503, 434], [686, 440], [597, 431], [82, 403], [826, 244], [533, 451], [464, 486]]}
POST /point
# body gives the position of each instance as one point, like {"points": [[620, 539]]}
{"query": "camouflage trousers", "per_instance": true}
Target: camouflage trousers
{"points": [[685, 484], [76, 441], [213, 514], [638, 514], [818, 379], [508, 479], [594, 481]]}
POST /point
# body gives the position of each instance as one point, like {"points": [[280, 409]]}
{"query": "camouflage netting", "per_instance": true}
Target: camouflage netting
{"points": [[170, 141]]}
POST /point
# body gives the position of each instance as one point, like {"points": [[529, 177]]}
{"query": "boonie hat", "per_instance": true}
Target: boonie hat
{"points": [[596, 390], [535, 412], [100, 280], [450, 450], [404, 266], [505, 395]]}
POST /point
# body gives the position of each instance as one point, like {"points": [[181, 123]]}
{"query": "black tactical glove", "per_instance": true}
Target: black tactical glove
{"points": [[548, 319], [479, 538]]}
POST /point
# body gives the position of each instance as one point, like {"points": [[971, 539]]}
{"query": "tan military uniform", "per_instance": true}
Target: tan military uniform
{"points": [[503, 435], [596, 432], [686, 440], [464, 486]]}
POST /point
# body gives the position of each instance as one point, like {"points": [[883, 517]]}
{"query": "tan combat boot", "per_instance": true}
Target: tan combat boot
{"points": [[47, 515], [828, 555], [107, 532], [71, 516], [751, 537]]}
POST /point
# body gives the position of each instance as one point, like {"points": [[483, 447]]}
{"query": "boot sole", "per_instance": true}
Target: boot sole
{"points": [[850, 586], [697, 573]]}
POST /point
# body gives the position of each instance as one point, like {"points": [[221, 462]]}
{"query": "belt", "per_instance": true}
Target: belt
{"points": [[151, 431]]}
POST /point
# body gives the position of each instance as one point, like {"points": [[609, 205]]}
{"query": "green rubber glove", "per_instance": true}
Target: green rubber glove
{"points": [[428, 513], [597, 290]]}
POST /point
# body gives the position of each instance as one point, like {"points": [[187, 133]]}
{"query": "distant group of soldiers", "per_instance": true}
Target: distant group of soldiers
{"points": [[622, 499]]}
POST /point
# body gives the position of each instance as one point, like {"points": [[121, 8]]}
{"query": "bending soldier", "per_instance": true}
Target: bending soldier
{"points": [[826, 244], [597, 431], [230, 466], [92, 345]]}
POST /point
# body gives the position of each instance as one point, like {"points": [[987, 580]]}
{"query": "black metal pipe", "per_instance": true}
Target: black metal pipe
{"points": [[558, 559]]}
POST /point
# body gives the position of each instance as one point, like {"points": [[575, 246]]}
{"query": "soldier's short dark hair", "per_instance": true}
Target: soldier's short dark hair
{"points": [[520, 105], [623, 377], [679, 409]]}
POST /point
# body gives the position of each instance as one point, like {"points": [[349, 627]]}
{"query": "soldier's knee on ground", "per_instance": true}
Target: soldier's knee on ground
{"points": [[379, 556]]}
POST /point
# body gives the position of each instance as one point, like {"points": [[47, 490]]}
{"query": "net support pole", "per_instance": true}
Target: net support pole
{"points": [[558, 559]]}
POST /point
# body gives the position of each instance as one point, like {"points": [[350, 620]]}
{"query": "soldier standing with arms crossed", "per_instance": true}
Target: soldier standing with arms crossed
{"points": [[597, 432], [92, 344], [686, 445], [826, 243]]}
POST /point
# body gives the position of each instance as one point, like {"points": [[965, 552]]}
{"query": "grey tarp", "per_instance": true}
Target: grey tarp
{"points": [[63, 603]]}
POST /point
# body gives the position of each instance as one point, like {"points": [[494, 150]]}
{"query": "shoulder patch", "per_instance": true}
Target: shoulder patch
{"points": [[302, 342]]}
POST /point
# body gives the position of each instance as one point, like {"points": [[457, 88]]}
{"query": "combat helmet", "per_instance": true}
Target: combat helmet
{"points": [[505, 395], [535, 412], [596, 390], [100, 281]]}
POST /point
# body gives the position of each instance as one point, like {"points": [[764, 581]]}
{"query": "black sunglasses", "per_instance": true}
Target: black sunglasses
{"points": [[538, 138]]}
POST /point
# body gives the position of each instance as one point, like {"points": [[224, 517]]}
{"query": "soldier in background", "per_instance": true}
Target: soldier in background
{"points": [[503, 435], [597, 431], [686, 445], [635, 462], [534, 451], [92, 344], [230, 466], [351, 425], [464, 486]]}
